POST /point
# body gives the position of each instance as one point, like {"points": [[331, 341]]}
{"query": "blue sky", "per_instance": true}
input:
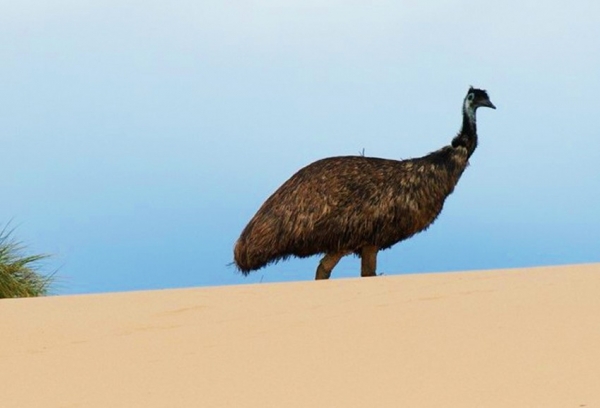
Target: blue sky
{"points": [[139, 137]]}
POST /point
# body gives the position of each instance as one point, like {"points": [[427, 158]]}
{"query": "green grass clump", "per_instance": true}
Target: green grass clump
{"points": [[19, 273]]}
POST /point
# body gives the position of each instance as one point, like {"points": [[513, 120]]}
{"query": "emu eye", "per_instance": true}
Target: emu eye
{"points": [[470, 96]]}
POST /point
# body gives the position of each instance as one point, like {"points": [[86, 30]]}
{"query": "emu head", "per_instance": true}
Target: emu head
{"points": [[476, 98]]}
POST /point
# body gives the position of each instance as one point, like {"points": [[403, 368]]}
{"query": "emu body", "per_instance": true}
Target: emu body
{"points": [[354, 204]]}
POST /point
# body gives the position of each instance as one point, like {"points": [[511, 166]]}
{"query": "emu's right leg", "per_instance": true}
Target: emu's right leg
{"points": [[368, 264], [326, 264]]}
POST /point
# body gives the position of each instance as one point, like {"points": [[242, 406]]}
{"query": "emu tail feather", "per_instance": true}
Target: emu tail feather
{"points": [[248, 259], [257, 246]]}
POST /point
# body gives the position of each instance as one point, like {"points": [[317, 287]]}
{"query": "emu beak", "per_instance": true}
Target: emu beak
{"points": [[488, 104]]}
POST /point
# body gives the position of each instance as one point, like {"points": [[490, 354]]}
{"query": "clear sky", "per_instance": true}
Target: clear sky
{"points": [[139, 137]]}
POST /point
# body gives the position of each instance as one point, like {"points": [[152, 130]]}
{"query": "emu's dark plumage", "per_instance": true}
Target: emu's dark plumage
{"points": [[342, 205]]}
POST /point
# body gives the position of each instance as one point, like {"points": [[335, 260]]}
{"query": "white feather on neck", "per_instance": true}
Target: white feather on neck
{"points": [[469, 109]]}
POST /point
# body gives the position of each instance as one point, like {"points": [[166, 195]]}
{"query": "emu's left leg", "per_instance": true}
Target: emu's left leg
{"points": [[328, 262], [368, 260]]}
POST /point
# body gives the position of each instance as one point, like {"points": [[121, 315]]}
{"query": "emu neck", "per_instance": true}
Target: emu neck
{"points": [[467, 137]]}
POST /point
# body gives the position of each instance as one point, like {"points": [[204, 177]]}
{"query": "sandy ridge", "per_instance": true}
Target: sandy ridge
{"points": [[507, 338]]}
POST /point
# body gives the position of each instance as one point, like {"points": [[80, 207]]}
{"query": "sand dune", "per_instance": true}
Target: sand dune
{"points": [[512, 338]]}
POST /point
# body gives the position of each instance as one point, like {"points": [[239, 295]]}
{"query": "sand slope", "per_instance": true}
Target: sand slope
{"points": [[515, 338]]}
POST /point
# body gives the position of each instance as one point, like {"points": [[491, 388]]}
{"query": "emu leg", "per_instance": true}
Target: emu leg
{"points": [[368, 260], [327, 264]]}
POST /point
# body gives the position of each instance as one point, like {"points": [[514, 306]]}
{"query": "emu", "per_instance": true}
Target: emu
{"points": [[355, 204]]}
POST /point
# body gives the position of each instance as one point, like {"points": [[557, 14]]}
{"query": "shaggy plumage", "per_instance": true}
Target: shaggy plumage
{"points": [[355, 204]]}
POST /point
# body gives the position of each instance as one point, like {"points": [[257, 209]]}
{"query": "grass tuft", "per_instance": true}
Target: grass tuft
{"points": [[19, 273]]}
